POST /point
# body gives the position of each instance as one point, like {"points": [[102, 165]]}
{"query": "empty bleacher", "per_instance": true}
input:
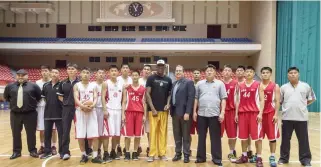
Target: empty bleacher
{"points": [[236, 40], [99, 40], [28, 40], [5, 75], [179, 40]]}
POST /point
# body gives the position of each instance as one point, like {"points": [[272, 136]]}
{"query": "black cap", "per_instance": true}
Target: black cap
{"points": [[22, 71]]}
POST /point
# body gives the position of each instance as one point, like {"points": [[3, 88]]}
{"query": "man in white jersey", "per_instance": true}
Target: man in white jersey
{"points": [[147, 70], [102, 128], [86, 124], [45, 77], [112, 90], [240, 77]]}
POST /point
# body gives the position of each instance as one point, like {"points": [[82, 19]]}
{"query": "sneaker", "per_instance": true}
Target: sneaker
{"points": [[164, 158], [147, 151], [66, 157], [249, 154], [234, 152], [307, 164], [139, 150], [84, 159], [89, 152], [281, 162], [259, 162], [118, 156], [99, 153], [150, 159], [97, 160], [127, 156], [135, 156], [272, 161], [232, 158], [119, 151], [253, 159], [243, 159], [113, 154], [41, 150], [54, 150], [106, 157], [45, 155]]}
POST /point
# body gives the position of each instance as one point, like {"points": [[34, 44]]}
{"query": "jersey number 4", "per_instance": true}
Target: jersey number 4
{"points": [[247, 94], [135, 98]]}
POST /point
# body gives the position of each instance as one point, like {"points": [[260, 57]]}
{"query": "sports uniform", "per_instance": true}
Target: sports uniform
{"points": [[114, 98], [142, 82], [103, 130], [86, 122], [249, 103], [134, 112], [229, 123], [268, 127]]}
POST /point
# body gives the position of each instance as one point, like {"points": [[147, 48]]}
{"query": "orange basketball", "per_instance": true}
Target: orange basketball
{"points": [[88, 103]]}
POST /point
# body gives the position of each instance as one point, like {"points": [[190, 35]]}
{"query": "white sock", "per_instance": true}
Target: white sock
{"points": [[53, 145], [245, 154], [84, 153], [273, 154], [231, 151], [42, 144], [95, 153], [259, 155]]}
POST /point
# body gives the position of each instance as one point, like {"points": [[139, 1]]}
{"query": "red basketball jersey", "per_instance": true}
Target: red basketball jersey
{"points": [[135, 98], [231, 94], [269, 105], [249, 97]]}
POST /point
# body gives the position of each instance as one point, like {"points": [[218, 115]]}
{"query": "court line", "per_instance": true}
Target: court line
{"points": [[45, 162]]}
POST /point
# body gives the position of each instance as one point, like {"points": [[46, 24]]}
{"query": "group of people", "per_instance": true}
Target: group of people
{"points": [[129, 106]]}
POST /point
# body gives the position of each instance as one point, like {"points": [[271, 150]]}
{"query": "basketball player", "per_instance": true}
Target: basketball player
{"points": [[249, 110], [112, 90], [229, 124], [125, 80], [133, 114], [270, 112], [45, 77], [102, 128], [241, 79], [147, 71], [86, 124], [196, 78]]}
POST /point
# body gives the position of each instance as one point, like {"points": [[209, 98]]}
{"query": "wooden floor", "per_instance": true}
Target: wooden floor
{"points": [[26, 161]]}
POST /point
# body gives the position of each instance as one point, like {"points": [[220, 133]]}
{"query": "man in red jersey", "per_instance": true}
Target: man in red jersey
{"points": [[133, 114], [240, 70], [229, 123], [270, 111], [249, 110]]}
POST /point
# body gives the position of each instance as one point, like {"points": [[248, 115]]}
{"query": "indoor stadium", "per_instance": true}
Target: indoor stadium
{"points": [[101, 34]]}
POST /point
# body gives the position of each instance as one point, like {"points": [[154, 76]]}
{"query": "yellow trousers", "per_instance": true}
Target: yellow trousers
{"points": [[158, 133]]}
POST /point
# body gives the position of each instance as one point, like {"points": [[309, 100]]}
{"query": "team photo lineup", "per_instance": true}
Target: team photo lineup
{"points": [[127, 106]]}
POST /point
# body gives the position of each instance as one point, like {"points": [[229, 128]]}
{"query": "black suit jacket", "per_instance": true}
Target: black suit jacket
{"points": [[185, 96]]}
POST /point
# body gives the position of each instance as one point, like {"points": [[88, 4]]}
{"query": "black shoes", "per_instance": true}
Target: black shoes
{"points": [[106, 157], [178, 156], [186, 158], [135, 156], [127, 156], [113, 154], [15, 155], [34, 155], [84, 159]]}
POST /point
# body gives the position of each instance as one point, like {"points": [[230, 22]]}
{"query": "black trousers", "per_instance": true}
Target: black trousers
{"points": [[182, 136], [68, 113], [29, 121], [214, 126], [48, 134], [301, 131]]}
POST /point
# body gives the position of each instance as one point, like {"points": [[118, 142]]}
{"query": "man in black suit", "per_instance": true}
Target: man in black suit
{"points": [[182, 102]]}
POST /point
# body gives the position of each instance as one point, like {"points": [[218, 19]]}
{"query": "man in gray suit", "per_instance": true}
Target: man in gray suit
{"points": [[182, 102]]}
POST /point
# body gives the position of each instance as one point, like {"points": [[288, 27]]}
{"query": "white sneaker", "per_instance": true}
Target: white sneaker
{"points": [[66, 157], [150, 159], [164, 158]]}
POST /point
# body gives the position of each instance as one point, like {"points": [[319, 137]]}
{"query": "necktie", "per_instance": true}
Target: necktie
{"points": [[174, 92], [20, 96]]}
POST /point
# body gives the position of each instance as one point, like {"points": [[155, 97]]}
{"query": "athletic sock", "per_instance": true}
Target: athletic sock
{"points": [[273, 154], [84, 153], [244, 154], [53, 145], [42, 144], [259, 155], [231, 151], [95, 154]]}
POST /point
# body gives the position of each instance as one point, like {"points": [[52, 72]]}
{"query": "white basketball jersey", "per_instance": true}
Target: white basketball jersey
{"points": [[114, 94], [122, 81], [40, 83], [99, 88], [142, 82], [86, 93]]}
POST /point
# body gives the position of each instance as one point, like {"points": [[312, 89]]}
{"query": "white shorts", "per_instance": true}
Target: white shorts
{"points": [[114, 122], [86, 124], [103, 129], [40, 119], [146, 125]]}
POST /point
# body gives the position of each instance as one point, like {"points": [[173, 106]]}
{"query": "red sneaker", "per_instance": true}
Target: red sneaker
{"points": [[41, 150], [243, 159], [259, 162]]}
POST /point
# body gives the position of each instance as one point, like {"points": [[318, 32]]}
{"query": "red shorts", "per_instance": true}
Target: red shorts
{"points": [[193, 127], [229, 125], [248, 126], [270, 129], [134, 124]]}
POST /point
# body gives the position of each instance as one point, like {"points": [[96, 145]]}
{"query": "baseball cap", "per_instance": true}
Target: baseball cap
{"points": [[160, 62], [22, 71]]}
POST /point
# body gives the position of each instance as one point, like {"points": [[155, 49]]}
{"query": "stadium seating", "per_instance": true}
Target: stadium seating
{"points": [[28, 40], [99, 40], [5, 75], [179, 40], [236, 40]]}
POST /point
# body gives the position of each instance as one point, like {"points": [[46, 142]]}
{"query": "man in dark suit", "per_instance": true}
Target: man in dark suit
{"points": [[182, 102]]}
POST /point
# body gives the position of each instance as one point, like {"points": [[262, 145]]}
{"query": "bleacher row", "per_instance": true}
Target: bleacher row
{"points": [[123, 40], [34, 74]]}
